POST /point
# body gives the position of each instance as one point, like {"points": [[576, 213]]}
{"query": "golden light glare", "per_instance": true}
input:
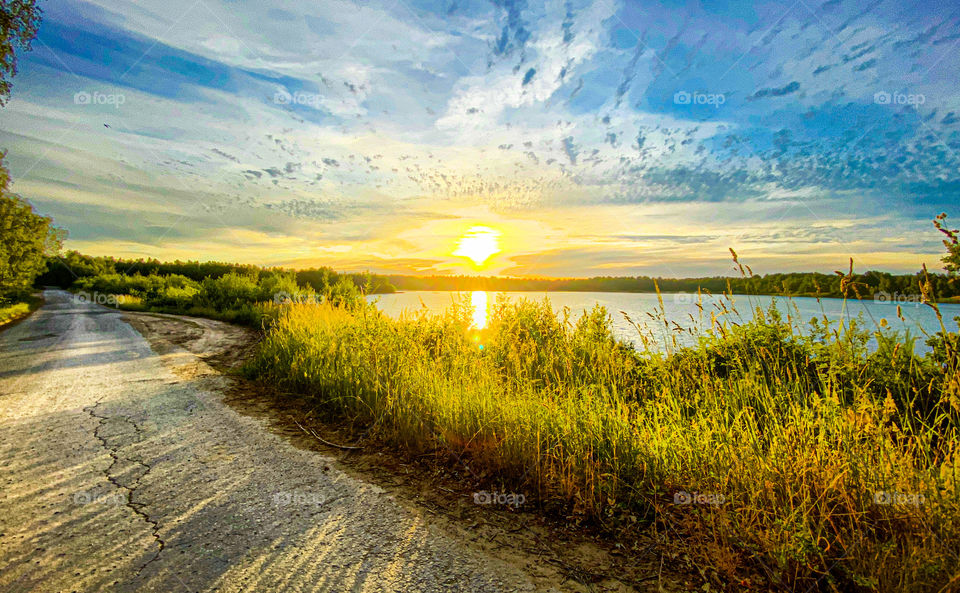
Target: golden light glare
{"points": [[478, 303], [478, 244]]}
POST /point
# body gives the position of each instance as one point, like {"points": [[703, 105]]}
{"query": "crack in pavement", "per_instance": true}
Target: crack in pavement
{"points": [[226, 504], [130, 489]]}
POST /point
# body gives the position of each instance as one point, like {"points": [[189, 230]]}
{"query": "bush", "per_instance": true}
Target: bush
{"points": [[236, 298], [179, 298], [344, 292], [229, 291]]}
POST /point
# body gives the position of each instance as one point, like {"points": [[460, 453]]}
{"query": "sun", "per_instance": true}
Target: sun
{"points": [[478, 244]]}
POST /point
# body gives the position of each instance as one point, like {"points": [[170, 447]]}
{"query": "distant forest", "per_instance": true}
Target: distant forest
{"points": [[881, 285], [62, 271]]}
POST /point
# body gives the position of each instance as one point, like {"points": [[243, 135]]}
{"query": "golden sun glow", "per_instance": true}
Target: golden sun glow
{"points": [[478, 244], [478, 302]]}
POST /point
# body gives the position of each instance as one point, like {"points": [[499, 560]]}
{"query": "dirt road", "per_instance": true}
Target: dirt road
{"points": [[120, 474]]}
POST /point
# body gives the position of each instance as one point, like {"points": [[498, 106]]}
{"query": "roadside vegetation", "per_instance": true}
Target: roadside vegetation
{"points": [[12, 312], [237, 293], [27, 240], [776, 453], [253, 298]]}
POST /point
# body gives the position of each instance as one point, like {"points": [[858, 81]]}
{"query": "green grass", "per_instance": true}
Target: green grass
{"points": [[799, 433], [10, 312]]}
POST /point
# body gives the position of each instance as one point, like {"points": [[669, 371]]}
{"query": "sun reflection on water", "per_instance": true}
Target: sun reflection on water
{"points": [[478, 302]]}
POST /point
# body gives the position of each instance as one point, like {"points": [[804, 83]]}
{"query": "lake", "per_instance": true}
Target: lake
{"points": [[681, 309]]}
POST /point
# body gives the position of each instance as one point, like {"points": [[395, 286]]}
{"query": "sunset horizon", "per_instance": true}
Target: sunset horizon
{"points": [[600, 140]]}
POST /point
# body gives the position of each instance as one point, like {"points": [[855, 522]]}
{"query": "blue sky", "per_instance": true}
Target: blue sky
{"points": [[595, 138]]}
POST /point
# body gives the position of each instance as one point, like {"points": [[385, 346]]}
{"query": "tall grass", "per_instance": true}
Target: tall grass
{"points": [[13, 311], [826, 466]]}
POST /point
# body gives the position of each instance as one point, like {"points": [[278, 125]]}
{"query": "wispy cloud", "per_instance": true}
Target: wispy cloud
{"points": [[334, 128]]}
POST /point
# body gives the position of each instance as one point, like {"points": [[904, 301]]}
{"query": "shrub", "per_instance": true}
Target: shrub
{"points": [[229, 291], [13, 311]]}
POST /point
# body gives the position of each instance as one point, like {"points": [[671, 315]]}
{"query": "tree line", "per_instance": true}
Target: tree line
{"points": [[872, 284], [66, 269]]}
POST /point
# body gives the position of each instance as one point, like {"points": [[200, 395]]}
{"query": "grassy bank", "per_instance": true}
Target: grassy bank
{"points": [[775, 458], [10, 312]]}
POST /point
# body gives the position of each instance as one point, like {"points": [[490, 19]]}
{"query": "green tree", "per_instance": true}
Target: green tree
{"points": [[26, 239], [25, 236], [19, 21], [63, 270], [951, 261]]}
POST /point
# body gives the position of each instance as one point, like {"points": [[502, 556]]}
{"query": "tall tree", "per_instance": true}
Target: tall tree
{"points": [[26, 240], [19, 21]]}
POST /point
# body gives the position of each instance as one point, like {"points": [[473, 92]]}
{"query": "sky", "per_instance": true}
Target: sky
{"points": [[585, 138]]}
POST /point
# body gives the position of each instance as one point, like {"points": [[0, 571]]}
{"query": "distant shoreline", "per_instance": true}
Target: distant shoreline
{"points": [[870, 285], [954, 300]]}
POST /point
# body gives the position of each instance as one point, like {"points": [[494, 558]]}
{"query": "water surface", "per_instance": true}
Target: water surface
{"points": [[682, 310]]}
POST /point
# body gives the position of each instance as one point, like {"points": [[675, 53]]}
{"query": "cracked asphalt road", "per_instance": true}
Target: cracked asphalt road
{"points": [[120, 474]]}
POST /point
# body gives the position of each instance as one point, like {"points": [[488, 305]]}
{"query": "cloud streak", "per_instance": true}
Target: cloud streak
{"points": [[330, 118]]}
